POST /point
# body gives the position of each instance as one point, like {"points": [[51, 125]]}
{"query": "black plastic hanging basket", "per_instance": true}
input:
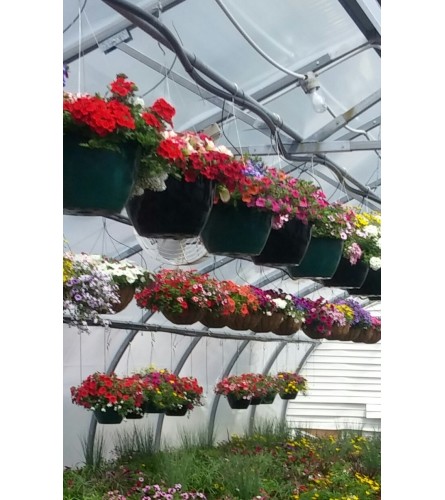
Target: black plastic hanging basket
{"points": [[349, 276], [285, 246], [179, 212]]}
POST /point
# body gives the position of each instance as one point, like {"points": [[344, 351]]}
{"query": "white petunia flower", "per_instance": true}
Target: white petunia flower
{"points": [[375, 263], [226, 151], [281, 303], [371, 230]]}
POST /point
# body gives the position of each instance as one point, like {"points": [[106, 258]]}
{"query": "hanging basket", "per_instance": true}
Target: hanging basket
{"points": [[237, 403], [211, 320], [312, 332], [126, 294], [236, 231], [369, 336], [110, 416], [263, 400], [255, 401], [96, 181], [354, 333], [134, 415], [287, 327], [239, 322], [349, 276], [321, 259], [339, 332], [285, 246], [186, 317], [372, 286], [268, 399], [177, 412], [288, 395], [268, 323], [177, 213], [374, 338], [150, 407]]}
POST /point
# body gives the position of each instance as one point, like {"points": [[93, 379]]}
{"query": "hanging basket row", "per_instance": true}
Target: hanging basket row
{"points": [[343, 333]]}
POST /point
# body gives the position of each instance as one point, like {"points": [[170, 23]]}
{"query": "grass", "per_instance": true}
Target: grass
{"points": [[271, 462]]}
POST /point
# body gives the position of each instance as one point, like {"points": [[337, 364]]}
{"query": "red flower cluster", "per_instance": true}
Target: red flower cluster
{"points": [[121, 86], [103, 117], [167, 390], [196, 154], [257, 385], [164, 389], [163, 109], [100, 391], [176, 290]]}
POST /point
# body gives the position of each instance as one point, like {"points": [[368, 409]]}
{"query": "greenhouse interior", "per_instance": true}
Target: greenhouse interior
{"points": [[236, 356]]}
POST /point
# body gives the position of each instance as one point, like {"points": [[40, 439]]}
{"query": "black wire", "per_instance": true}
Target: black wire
{"points": [[76, 18], [162, 79], [124, 245]]}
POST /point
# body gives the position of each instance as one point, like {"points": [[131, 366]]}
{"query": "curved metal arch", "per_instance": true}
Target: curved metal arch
{"points": [[266, 370], [218, 396], [300, 366], [112, 366], [176, 371]]}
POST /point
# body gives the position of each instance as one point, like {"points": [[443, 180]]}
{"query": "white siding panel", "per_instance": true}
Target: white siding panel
{"points": [[344, 388]]}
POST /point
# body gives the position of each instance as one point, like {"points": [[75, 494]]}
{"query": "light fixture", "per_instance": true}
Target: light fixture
{"points": [[310, 85]]}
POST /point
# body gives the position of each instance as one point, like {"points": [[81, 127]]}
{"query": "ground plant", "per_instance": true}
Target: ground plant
{"points": [[270, 462]]}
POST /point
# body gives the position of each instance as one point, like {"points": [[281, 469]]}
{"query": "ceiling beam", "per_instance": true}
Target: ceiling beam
{"points": [[315, 147], [341, 120], [366, 16], [89, 42]]}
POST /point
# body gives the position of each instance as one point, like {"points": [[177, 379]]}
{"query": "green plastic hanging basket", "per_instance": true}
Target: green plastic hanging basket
{"points": [[320, 261], [236, 231], [96, 181]]}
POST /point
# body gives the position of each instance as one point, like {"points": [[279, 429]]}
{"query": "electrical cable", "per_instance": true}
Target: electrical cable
{"points": [[299, 76]]}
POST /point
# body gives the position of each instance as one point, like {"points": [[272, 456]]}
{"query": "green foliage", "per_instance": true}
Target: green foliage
{"points": [[273, 462]]}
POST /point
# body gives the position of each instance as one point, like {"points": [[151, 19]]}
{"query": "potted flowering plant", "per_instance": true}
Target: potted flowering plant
{"points": [[110, 397], [320, 317], [128, 276], [263, 387], [158, 390], [372, 334], [109, 143], [289, 384], [237, 390], [332, 225], [178, 293], [190, 392], [243, 304], [344, 314], [361, 319], [264, 197], [269, 310], [87, 292], [221, 305], [293, 317], [196, 166], [367, 238], [299, 202]]}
